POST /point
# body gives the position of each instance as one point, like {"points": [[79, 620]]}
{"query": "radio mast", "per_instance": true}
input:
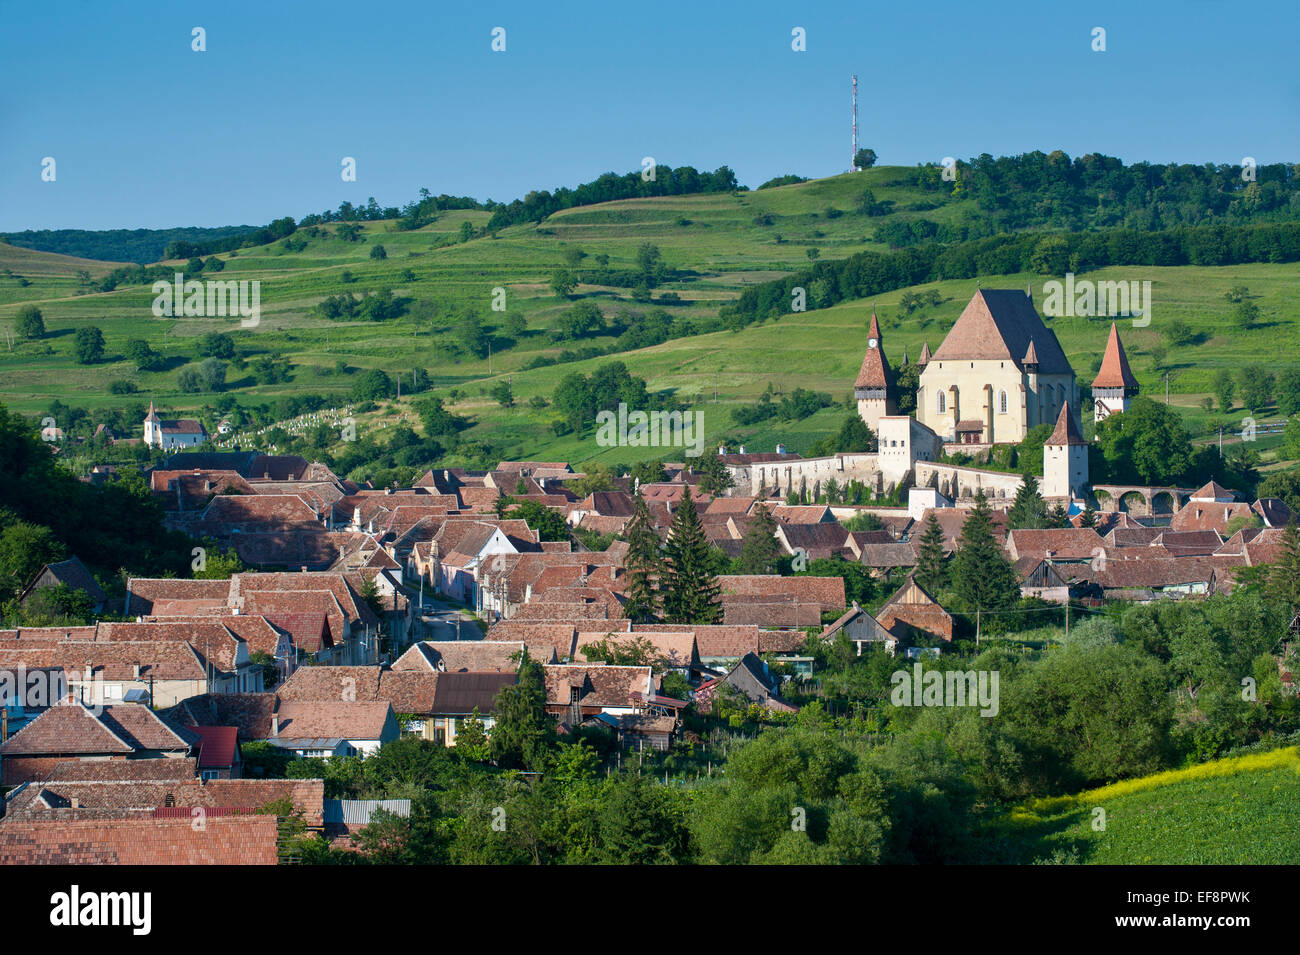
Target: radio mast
{"points": [[853, 159]]}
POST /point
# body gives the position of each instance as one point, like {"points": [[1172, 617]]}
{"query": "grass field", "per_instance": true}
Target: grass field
{"points": [[719, 243], [1235, 811]]}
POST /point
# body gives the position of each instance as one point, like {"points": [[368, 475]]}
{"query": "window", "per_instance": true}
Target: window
{"points": [[1002, 402], [943, 404], [209, 774]]}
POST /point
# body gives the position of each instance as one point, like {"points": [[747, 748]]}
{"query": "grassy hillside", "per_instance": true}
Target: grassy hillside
{"points": [[1236, 811], [715, 244]]}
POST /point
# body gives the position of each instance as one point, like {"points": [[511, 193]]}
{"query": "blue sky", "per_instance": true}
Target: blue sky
{"points": [[147, 133]]}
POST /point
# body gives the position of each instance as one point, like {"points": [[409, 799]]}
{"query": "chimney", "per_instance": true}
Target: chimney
{"points": [[275, 725], [135, 671], [75, 802]]}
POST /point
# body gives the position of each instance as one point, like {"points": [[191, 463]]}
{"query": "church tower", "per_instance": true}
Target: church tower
{"points": [[874, 389], [152, 428], [1065, 458], [1115, 383]]}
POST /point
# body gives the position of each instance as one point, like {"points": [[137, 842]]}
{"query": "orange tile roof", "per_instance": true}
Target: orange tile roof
{"points": [[1114, 372]]}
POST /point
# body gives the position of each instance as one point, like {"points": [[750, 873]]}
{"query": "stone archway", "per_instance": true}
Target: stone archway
{"points": [[1134, 502], [1163, 502]]}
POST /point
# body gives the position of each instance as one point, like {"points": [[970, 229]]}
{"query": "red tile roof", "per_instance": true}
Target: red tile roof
{"points": [[232, 840], [1115, 372], [1066, 431], [217, 746]]}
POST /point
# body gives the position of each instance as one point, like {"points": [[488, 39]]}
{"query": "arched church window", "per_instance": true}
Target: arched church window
{"points": [[943, 403], [1002, 402]]}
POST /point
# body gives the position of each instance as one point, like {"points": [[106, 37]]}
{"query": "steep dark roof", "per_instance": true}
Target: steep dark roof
{"points": [[1066, 431], [1002, 324]]}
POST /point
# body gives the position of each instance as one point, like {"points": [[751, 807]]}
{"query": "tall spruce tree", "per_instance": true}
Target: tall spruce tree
{"points": [[1058, 516], [645, 566], [1088, 518], [981, 574], [1283, 581], [690, 590], [1029, 510], [931, 562], [523, 731], [758, 550]]}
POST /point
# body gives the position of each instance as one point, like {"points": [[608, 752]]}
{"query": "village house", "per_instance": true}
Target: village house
{"points": [[912, 612], [73, 731], [324, 729], [862, 630], [575, 693], [71, 573]]}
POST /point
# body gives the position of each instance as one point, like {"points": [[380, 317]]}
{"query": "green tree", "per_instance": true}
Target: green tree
{"points": [[378, 252], [504, 394], [1283, 583], [759, 552], [714, 477], [1224, 389], [1256, 386], [24, 549], [88, 346], [1146, 444], [864, 158], [1029, 510], [931, 561], [645, 566], [690, 589], [1246, 314], [472, 739], [522, 734], [216, 345], [638, 826], [29, 323], [563, 283], [982, 577], [374, 385], [1288, 392], [547, 522]]}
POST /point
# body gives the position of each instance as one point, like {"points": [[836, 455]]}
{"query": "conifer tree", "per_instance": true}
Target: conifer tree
{"points": [[1029, 510], [1058, 516], [645, 566], [758, 550], [931, 563], [981, 574], [1284, 574], [1089, 517], [523, 730], [690, 590]]}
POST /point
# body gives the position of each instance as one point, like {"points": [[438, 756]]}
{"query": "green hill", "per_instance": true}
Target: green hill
{"points": [[1235, 811], [711, 246]]}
